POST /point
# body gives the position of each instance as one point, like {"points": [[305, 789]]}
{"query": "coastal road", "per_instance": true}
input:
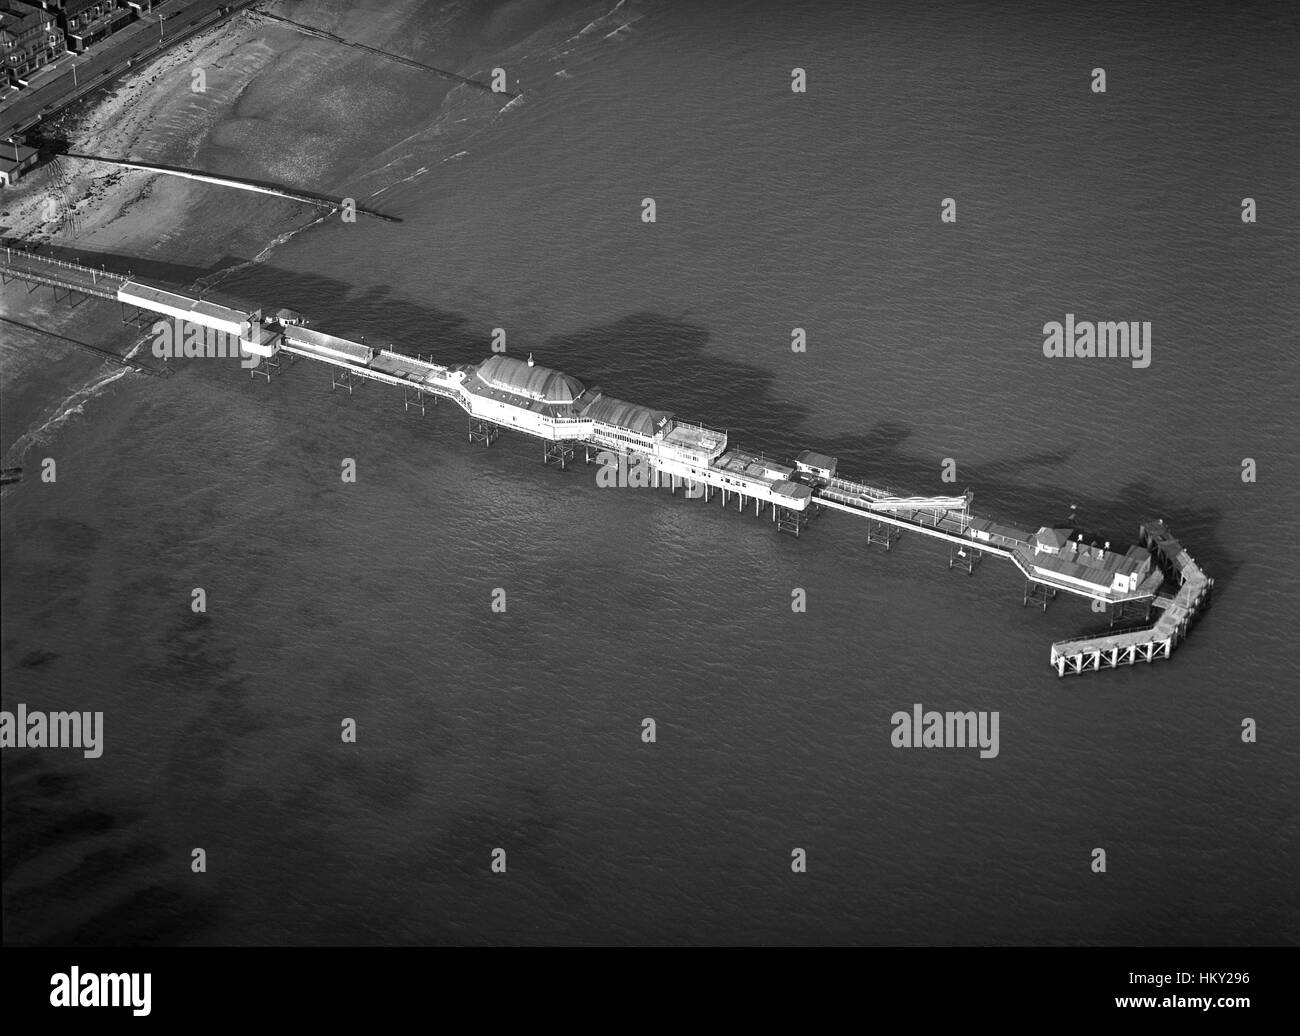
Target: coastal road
{"points": [[169, 23]]}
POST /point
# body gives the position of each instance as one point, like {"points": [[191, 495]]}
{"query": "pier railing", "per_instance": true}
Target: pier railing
{"points": [[60, 273]]}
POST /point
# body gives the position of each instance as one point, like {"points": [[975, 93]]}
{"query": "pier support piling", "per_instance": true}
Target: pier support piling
{"points": [[880, 532], [270, 366], [342, 378], [483, 431], [964, 557], [558, 453], [416, 401], [1037, 593], [133, 315], [791, 521]]}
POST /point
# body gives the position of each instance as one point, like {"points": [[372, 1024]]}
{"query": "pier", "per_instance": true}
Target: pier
{"points": [[507, 394]]}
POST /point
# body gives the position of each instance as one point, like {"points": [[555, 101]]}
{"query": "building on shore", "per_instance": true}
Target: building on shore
{"points": [[35, 32], [15, 159], [86, 22], [30, 38]]}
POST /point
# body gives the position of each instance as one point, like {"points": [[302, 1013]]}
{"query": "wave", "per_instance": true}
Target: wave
{"points": [[212, 280], [397, 183], [140, 343], [73, 406], [517, 101], [593, 26], [625, 25]]}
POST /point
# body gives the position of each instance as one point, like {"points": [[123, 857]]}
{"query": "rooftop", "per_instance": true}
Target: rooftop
{"points": [[25, 155], [754, 467], [693, 437], [1134, 558], [1007, 532], [523, 378], [1092, 564], [1055, 538], [209, 307], [816, 460], [631, 417], [1164, 540], [357, 351], [17, 18], [792, 490]]}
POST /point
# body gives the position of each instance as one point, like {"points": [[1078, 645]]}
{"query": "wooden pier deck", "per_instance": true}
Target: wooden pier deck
{"points": [[58, 274]]}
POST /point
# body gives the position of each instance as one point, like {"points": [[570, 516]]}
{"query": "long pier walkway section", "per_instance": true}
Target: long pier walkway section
{"points": [[59, 274]]}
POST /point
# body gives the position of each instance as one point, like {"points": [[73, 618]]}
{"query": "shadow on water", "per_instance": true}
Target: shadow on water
{"points": [[80, 865], [373, 313], [664, 361], [110, 895], [124, 263]]}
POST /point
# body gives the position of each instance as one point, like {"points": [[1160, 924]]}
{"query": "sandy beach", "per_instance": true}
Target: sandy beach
{"points": [[276, 105]]}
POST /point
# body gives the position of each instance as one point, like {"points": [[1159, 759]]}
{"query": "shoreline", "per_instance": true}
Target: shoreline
{"points": [[190, 231]]}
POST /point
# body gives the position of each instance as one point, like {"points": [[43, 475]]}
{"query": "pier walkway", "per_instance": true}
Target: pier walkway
{"points": [[44, 271]]}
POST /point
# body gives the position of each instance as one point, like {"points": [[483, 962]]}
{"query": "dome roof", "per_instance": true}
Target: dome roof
{"points": [[508, 374]]}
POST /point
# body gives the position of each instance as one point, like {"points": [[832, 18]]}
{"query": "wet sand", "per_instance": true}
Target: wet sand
{"points": [[276, 105]]}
